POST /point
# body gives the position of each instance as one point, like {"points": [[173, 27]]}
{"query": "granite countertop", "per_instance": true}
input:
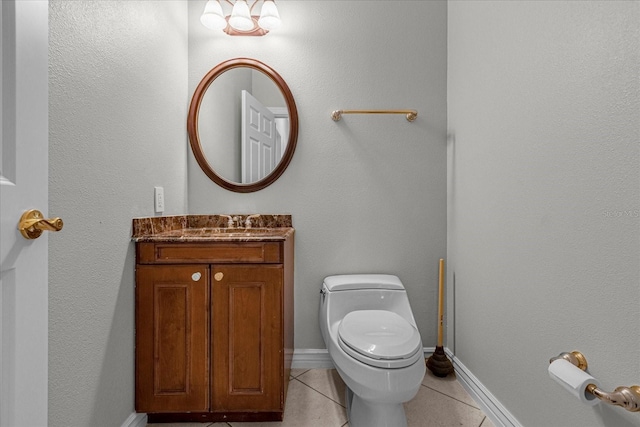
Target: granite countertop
{"points": [[211, 228]]}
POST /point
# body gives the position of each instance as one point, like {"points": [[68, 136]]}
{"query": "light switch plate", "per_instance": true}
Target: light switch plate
{"points": [[159, 199]]}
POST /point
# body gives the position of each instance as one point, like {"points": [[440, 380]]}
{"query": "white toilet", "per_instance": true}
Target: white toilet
{"points": [[373, 341]]}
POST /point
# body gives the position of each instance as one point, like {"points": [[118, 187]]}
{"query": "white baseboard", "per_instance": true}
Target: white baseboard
{"points": [[311, 358], [318, 358], [135, 420], [491, 406]]}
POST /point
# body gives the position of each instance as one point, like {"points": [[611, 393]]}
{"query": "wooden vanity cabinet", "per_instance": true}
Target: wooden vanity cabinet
{"points": [[214, 330], [247, 337], [172, 338]]}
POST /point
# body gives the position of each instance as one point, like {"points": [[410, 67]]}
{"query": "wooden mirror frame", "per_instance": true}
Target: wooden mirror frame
{"points": [[192, 124]]}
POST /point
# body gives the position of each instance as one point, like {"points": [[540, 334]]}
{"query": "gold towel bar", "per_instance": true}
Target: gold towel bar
{"points": [[411, 114], [625, 397]]}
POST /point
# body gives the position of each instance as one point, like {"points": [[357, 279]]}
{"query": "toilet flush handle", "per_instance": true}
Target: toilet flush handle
{"points": [[323, 292]]}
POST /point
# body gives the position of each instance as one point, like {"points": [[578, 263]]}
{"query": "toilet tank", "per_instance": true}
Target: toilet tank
{"points": [[346, 293], [346, 282]]}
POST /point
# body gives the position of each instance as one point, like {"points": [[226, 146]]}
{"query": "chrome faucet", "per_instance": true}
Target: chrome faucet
{"points": [[230, 221], [247, 222]]}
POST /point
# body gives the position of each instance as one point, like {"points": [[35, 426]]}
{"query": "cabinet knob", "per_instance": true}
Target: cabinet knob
{"points": [[218, 276], [196, 276]]}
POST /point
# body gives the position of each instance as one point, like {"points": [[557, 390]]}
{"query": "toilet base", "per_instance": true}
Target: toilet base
{"points": [[373, 414]]}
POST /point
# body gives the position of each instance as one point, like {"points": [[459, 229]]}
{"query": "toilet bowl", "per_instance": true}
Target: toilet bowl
{"points": [[372, 339]]}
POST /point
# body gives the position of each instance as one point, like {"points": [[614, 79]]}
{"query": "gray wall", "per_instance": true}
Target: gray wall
{"points": [[544, 199], [368, 193], [117, 109]]}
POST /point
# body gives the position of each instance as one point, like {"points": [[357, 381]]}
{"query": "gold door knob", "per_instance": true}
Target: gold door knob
{"points": [[32, 224], [218, 276]]}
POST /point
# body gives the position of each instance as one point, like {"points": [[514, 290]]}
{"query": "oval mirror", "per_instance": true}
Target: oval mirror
{"points": [[243, 125]]}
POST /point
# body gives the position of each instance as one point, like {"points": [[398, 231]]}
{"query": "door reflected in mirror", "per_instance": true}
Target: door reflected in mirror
{"points": [[261, 138], [243, 125]]}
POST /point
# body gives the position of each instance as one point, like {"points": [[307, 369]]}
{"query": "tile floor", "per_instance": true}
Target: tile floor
{"points": [[316, 399]]}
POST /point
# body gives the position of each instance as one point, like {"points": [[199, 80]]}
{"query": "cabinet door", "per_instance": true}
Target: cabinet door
{"points": [[247, 344], [172, 338]]}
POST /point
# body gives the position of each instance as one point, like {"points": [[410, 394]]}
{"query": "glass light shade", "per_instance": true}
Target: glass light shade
{"points": [[269, 16], [212, 17], [241, 16]]}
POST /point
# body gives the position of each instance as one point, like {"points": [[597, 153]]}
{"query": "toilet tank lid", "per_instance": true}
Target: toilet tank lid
{"points": [[362, 281]]}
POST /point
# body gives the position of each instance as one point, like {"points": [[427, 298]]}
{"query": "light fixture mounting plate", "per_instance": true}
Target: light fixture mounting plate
{"points": [[255, 31]]}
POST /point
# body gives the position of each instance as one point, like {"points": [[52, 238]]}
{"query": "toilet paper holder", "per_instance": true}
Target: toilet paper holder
{"points": [[625, 397]]}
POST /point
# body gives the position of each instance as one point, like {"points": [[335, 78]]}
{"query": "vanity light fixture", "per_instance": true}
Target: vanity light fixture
{"points": [[238, 20]]}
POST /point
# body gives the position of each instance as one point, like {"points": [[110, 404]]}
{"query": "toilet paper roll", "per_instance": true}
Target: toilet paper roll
{"points": [[574, 380]]}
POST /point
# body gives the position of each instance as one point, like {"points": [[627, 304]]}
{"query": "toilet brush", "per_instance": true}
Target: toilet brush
{"points": [[439, 364]]}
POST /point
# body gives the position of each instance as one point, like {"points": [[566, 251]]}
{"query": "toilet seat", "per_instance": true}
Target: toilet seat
{"points": [[379, 338]]}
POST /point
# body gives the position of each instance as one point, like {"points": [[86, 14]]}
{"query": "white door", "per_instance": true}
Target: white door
{"points": [[259, 138], [281, 117], [23, 186]]}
